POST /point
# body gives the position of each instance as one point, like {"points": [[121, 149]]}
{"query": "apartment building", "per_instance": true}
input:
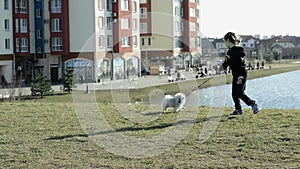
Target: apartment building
{"points": [[6, 40], [97, 39], [170, 33]]}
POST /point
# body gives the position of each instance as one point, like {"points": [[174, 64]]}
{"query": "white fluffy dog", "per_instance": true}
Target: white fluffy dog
{"points": [[177, 102]]}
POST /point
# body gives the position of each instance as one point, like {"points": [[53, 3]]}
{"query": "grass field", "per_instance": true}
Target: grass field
{"points": [[46, 133]]}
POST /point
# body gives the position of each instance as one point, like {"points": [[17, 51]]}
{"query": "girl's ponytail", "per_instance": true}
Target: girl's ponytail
{"points": [[233, 38]]}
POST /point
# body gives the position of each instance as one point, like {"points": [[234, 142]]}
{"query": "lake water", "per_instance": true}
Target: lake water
{"points": [[280, 91]]}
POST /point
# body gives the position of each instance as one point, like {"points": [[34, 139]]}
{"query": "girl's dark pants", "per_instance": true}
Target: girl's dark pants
{"points": [[238, 92]]}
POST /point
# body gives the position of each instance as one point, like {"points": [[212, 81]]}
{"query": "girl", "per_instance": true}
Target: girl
{"points": [[235, 59]]}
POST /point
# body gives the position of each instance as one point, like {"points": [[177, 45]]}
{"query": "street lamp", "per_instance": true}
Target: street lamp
{"points": [[112, 66], [86, 65]]}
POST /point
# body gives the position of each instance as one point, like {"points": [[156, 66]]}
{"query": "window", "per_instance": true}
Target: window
{"points": [[109, 41], [108, 5], [181, 12], [101, 41], [143, 41], [143, 27], [125, 23], [134, 24], [176, 40], [24, 44], [177, 26], [57, 44], [192, 26], [100, 22], [38, 34], [100, 4], [56, 6], [17, 45], [149, 41], [17, 25], [134, 39], [126, 41], [38, 13], [6, 24], [143, 13], [199, 41], [182, 26], [108, 23], [23, 6], [39, 50], [125, 5], [17, 6], [134, 7], [193, 42], [192, 12], [5, 4], [7, 43], [177, 12], [143, 1], [56, 25], [23, 25]]}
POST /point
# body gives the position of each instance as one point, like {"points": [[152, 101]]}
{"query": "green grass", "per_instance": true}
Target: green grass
{"points": [[46, 133], [49, 135]]}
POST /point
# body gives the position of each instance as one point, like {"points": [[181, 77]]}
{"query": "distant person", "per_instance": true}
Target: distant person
{"points": [[3, 81], [235, 59], [206, 71]]}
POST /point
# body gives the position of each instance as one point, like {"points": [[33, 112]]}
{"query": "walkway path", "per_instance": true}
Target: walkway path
{"points": [[137, 82]]}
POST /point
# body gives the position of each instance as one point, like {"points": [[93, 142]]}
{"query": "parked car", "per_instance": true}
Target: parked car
{"points": [[145, 71]]}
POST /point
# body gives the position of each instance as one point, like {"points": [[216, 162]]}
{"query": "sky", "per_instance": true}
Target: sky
{"points": [[250, 17]]}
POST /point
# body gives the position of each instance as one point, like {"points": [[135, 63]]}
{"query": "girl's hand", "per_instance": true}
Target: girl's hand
{"points": [[226, 58]]}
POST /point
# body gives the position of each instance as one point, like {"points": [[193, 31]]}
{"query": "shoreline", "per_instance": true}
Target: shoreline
{"points": [[173, 88]]}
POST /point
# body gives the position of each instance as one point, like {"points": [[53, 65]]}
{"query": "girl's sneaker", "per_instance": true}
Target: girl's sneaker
{"points": [[237, 112], [255, 108]]}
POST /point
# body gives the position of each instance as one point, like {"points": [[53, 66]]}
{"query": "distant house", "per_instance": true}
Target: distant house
{"points": [[220, 46], [249, 41], [284, 43], [286, 46], [208, 48]]}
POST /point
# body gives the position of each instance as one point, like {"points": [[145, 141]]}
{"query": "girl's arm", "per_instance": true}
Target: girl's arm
{"points": [[226, 62]]}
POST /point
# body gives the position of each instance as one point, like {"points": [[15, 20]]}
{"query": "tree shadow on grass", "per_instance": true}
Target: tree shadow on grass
{"points": [[125, 129]]}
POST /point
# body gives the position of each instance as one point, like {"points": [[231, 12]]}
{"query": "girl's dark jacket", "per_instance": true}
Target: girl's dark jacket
{"points": [[236, 61]]}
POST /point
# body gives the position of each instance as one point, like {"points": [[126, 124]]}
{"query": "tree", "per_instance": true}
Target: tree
{"points": [[68, 81], [40, 86], [276, 55], [269, 57]]}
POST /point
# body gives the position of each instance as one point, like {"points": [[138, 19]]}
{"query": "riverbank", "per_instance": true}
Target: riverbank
{"points": [[49, 135], [154, 83]]}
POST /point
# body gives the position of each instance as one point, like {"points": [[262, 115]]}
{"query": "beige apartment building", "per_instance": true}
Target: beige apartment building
{"points": [[170, 33]]}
